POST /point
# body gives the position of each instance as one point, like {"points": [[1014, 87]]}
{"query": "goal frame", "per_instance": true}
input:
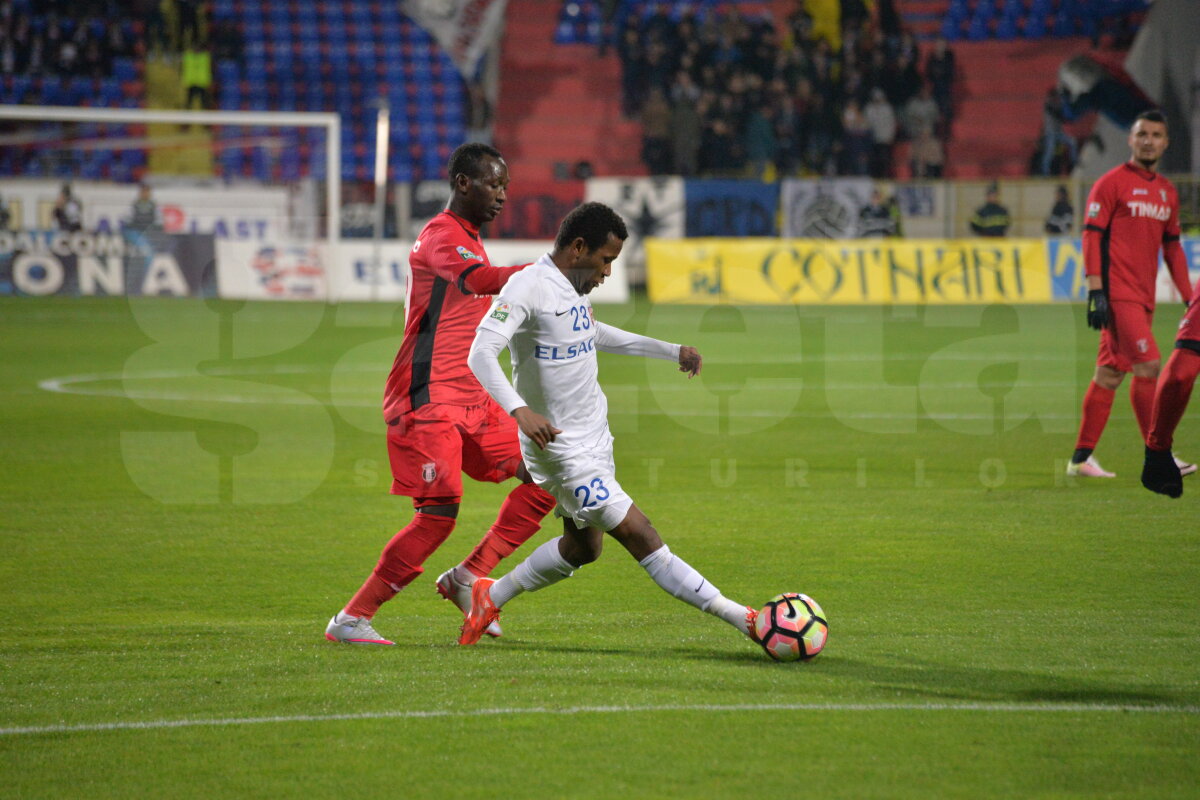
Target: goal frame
{"points": [[330, 121]]}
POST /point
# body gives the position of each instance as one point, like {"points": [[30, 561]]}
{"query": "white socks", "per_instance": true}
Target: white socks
{"points": [[679, 579], [544, 567]]}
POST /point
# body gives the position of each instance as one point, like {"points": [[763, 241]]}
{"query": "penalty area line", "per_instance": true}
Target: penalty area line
{"points": [[1001, 708]]}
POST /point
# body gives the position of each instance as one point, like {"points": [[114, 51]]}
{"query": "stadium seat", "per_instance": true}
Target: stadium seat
{"points": [[951, 29], [50, 90], [977, 29], [1035, 26]]}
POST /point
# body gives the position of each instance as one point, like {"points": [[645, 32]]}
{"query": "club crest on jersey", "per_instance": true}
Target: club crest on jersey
{"points": [[467, 255], [1143, 345], [500, 312], [428, 472]]}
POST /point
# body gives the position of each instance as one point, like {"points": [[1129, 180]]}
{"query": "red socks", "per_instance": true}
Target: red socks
{"points": [[519, 518], [1141, 394], [1097, 403], [375, 592], [1171, 398], [401, 562]]}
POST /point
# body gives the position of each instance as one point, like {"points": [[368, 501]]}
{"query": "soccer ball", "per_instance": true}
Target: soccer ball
{"points": [[791, 627]]}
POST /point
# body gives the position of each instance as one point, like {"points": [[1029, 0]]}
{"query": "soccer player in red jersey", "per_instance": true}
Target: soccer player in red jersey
{"points": [[441, 422], [1160, 472], [1132, 212]]}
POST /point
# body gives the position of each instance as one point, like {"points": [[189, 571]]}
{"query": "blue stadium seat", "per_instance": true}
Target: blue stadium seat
{"points": [[50, 90], [90, 168], [1035, 26], [230, 161], [124, 69], [1007, 28], [227, 71], [951, 29]]}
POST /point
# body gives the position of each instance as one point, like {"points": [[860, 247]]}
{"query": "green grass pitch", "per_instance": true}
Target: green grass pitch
{"points": [[191, 488]]}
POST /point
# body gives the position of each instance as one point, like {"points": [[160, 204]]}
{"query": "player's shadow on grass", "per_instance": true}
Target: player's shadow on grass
{"points": [[984, 684], [748, 654]]}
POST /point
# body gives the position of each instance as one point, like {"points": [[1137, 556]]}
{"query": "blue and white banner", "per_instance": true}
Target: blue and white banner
{"points": [[731, 208], [650, 207], [823, 209], [1068, 279], [40, 263]]}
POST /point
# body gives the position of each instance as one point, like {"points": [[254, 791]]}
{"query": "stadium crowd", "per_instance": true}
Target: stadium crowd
{"points": [[65, 39], [725, 93]]}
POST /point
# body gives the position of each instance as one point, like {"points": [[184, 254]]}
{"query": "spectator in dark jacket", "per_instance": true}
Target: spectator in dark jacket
{"points": [[991, 218]]}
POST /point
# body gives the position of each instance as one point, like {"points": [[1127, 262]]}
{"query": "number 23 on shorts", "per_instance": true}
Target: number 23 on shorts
{"points": [[584, 492]]}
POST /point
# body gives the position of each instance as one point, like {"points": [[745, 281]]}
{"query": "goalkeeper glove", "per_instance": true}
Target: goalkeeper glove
{"points": [[1097, 310]]}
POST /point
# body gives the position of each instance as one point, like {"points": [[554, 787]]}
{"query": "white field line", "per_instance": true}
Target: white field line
{"points": [[79, 385], [996, 708]]}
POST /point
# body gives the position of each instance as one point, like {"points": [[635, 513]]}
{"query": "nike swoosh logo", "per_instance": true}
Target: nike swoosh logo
{"points": [[699, 585], [560, 313]]}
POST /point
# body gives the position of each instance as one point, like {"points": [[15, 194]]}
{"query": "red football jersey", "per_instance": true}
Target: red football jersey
{"points": [[450, 278], [1131, 213]]}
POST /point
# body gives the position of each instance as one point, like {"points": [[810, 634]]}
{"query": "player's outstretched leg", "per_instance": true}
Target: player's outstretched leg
{"points": [[675, 576], [1161, 474], [520, 517], [545, 566], [458, 591], [399, 563]]}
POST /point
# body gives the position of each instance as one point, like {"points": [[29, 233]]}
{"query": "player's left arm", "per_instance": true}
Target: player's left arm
{"points": [[1177, 262], [615, 340], [466, 268], [489, 280], [1174, 256]]}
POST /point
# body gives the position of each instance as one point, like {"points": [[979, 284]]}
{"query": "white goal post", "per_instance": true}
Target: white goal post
{"points": [[330, 122]]}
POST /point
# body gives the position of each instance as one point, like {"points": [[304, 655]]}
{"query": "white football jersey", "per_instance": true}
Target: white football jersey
{"points": [[552, 343]]}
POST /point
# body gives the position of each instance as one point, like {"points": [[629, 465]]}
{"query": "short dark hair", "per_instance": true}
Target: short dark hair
{"points": [[592, 222], [467, 159], [1153, 115]]}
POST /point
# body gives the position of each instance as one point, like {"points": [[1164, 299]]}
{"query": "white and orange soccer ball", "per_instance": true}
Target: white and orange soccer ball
{"points": [[791, 627]]}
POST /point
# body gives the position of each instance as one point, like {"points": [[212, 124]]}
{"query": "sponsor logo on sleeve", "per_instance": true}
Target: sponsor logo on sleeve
{"points": [[500, 312], [1093, 210], [467, 255]]}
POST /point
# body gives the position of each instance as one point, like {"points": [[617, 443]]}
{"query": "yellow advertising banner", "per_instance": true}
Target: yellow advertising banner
{"points": [[866, 271]]}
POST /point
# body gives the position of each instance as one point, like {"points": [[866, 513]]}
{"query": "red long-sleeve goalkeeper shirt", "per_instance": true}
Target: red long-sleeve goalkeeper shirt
{"points": [[1131, 213]]}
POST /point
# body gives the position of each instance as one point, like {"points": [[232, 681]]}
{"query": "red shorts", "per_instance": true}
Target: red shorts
{"points": [[431, 447], [1189, 326], [1128, 340]]}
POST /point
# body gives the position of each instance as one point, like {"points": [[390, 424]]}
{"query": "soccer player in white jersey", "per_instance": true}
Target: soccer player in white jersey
{"points": [[544, 317]]}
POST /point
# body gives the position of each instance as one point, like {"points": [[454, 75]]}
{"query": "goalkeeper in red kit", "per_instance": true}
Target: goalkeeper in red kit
{"points": [[1132, 213], [441, 423], [1160, 472]]}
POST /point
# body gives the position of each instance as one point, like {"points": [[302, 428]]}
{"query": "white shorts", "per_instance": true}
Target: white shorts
{"points": [[585, 486]]}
